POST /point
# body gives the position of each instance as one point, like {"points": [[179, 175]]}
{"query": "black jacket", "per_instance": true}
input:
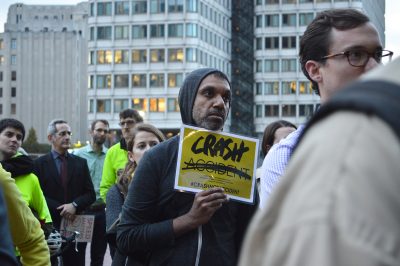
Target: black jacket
{"points": [[80, 186]]}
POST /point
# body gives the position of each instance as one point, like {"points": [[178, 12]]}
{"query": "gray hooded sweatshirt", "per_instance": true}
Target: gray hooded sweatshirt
{"points": [[145, 232]]}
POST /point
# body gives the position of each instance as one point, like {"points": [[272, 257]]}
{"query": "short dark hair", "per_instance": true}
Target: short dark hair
{"points": [[132, 113], [315, 42], [13, 123], [269, 134], [144, 127], [105, 122]]}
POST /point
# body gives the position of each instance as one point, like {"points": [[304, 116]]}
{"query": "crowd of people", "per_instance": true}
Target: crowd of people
{"points": [[328, 189]]}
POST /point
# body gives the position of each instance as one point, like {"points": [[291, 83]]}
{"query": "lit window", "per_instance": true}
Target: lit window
{"points": [[139, 56], [122, 8], [157, 105], [139, 80], [156, 80], [288, 87], [1, 60], [139, 104], [103, 106], [175, 80], [121, 81], [103, 81], [104, 57], [157, 55], [121, 56], [305, 87], [175, 55]]}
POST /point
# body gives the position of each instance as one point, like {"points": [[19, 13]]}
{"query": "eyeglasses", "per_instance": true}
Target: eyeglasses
{"points": [[127, 122], [64, 133], [359, 58]]}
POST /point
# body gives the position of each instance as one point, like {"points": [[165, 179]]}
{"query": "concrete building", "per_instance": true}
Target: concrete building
{"points": [[281, 91], [140, 52], [43, 67]]}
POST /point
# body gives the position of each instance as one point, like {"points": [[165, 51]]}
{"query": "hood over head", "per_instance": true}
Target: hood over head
{"points": [[188, 92]]}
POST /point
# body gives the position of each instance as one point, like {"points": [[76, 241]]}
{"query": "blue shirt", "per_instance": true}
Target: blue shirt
{"points": [[95, 163], [275, 163]]}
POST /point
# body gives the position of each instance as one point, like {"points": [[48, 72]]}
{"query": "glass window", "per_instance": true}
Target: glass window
{"points": [[157, 6], [157, 105], [259, 110], [289, 42], [13, 91], [288, 19], [139, 56], [191, 5], [104, 57], [122, 8], [156, 80], [271, 65], [1, 75], [139, 6], [13, 75], [90, 81], [157, 55], [191, 55], [104, 33], [1, 109], [288, 87], [139, 80], [175, 6], [104, 9], [271, 110], [121, 56], [259, 21], [91, 58], [271, 20], [13, 60], [121, 32], [306, 1], [288, 1], [173, 105], [259, 66], [2, 60], [139, 104], [103, 81], [1, 44], [306, 110], [175, 30], [157, 31], [289, 65], [91, 106], [91, 37], [288, 110], [272, 88], [139, 31], [91, 10], [175, 80], [13, 108], [175, 55], [259, 88], [103, 106], [191, 30], [259, 43], [13, 44], [271, 42], [267, 2], [120, 104], [305, 18], [121, 81], [305, 87]]}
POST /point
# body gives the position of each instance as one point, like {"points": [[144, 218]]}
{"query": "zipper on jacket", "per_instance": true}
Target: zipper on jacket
{"points": [[199, 244]]}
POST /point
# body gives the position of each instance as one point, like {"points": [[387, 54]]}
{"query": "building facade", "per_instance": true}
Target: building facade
{"points": [[43, 67], [281, 91]]}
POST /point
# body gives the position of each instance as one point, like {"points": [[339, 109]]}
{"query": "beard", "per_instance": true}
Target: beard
{"points": [[99, 140]]}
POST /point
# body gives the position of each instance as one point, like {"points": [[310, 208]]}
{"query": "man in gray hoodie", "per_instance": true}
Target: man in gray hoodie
{"points": [[161, 226]]}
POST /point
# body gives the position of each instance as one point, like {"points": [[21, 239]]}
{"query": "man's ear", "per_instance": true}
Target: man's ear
{"points": [[50, 138], [313, 69]]}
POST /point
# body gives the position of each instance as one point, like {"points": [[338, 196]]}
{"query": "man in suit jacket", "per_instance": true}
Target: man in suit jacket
{"points": [[66, 183]]}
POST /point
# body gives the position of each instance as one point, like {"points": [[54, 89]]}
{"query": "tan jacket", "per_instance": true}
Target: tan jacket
{"points": [[26, 232], [339, 201]]}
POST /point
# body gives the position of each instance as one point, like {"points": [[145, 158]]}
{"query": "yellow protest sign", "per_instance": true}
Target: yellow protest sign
{"points": [[209, 159]]}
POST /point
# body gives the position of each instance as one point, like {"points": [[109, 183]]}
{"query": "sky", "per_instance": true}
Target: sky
{"points": [[392, 18]]}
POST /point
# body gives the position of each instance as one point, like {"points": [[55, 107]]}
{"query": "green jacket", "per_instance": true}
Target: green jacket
{"points": [[116, 159]]}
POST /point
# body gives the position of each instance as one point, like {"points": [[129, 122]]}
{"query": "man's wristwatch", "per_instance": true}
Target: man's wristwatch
{"points": [[75, 205]]}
